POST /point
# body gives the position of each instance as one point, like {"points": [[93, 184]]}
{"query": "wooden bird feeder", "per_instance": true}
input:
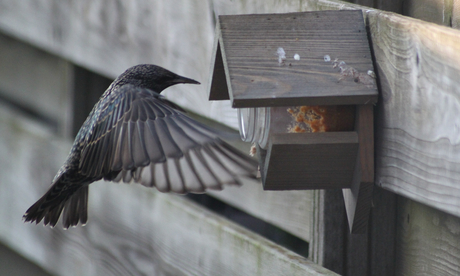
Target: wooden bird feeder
{"points": [[305, 87]]}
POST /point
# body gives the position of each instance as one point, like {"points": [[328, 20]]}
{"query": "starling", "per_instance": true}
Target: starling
{"points": [[135, 134]]}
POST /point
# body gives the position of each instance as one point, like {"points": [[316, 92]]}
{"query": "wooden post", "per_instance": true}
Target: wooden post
{"points": [[358, 198]]}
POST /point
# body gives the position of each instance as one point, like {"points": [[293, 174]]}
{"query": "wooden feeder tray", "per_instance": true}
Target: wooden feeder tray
{"points": [[304, 59]]}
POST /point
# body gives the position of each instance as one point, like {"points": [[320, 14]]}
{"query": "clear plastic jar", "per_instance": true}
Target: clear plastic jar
{"points": [[254, 124], [258, 124]]}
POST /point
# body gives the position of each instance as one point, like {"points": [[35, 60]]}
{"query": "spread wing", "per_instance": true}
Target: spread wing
{"points": [[142, 137]]}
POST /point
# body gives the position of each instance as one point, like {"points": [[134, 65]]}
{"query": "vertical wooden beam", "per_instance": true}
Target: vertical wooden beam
{"points": [[330, 229], [356, 254], [382, 233], [358, 197]]}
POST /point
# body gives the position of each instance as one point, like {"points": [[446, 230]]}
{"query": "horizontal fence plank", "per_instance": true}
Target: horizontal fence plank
{"points": [[108, 38], [418, 127], [427, 240], [292, 211], [132, 230], [36, 81]]}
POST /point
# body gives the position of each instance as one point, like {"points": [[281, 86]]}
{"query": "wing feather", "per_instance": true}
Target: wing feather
{"points": [[126, 148], [140, 137], [117, 158], [153, 144], [140, 156], [170, 147]]}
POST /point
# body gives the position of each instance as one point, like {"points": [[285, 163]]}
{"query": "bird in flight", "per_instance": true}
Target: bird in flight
{"points": [[135, 134]]}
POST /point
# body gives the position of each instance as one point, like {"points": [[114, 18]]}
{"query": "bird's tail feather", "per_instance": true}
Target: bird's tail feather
{"points": [[72, 202], [76, 208]]}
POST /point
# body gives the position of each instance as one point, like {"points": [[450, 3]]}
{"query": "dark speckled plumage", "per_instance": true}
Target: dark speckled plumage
{"points": [[134, 134]]}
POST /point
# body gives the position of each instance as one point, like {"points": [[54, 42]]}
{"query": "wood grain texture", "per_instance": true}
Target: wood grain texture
{"points": [[43, 75], [418, 149], [260, 51], [428, 241], [108, 37], [292, 211], [359, 196], [131, 231], [439, 12], [323, 160]]}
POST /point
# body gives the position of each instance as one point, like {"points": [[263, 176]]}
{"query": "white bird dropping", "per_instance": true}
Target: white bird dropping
{"points": [[281, 55]]}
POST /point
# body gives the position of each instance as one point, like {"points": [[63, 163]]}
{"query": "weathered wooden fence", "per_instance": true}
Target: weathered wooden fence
{"points": [[132, 230]]}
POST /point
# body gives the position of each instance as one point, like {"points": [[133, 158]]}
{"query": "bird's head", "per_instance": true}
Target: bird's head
{"points": [[150, 76]]}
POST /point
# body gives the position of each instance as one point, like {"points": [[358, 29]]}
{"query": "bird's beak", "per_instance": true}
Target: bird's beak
{"points": [[180, 79]]}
